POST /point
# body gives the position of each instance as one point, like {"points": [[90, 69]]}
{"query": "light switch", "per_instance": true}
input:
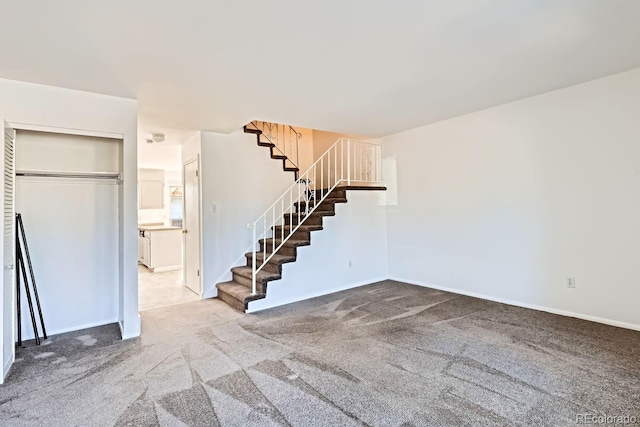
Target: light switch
{"points": [[214, 208]]}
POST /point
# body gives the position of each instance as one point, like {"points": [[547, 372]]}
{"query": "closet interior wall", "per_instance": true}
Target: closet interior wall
{"points": [[71, 224]]}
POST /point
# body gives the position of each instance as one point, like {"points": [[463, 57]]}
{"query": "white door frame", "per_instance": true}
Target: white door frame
{"points": [[8, 269], [199, 212]]}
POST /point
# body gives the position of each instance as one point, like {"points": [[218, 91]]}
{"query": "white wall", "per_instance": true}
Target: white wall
{"points": [[506, 203], [305, 148], [84, 112], [191, 148], [350, 251], [242, 180], [159, 156], [323, 140]]}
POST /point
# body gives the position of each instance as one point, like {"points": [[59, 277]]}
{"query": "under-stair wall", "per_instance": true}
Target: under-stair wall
{"points": [[241, 180], [350, 251]]}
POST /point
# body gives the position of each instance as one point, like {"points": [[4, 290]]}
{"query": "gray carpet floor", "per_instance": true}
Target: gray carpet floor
{"points": [[387, 354]]}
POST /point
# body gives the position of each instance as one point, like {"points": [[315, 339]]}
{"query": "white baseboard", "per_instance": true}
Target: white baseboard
{"points": [[7, 367], [169, 268], [212, 292], [129, 336], [265, 304], [551, 310]]}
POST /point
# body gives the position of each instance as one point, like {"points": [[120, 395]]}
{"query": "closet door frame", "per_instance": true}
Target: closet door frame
{"points": [[16, 126], [7, 314]]}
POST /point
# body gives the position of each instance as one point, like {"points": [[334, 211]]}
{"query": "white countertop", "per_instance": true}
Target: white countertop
{"points": [[158, 227]]}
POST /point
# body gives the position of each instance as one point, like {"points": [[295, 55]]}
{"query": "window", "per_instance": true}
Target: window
{"points": [[175, 206]]}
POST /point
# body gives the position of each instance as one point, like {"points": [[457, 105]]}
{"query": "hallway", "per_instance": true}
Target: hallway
{"points": [[156, 290]]}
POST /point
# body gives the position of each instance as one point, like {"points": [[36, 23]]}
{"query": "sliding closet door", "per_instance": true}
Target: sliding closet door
{"points": [[8, 247], [71, 226]]}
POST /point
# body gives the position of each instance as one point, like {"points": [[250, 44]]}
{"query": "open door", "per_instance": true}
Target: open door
{"points": [[191, 226], [8, 278]]}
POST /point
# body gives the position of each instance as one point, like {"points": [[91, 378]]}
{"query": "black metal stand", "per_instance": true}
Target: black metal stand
{"points": [[18, 293], [21, 273]]}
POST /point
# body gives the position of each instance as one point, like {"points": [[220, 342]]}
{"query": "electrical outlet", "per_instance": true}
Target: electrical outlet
{"points": [[571, 282], [349, 263]]}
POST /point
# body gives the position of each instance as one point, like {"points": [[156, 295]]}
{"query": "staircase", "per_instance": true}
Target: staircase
{"points": [[290, 221], [282, 141]]}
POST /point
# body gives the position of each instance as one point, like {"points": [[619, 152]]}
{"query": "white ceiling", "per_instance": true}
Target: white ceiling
{"points": [[369, 67], [148, 125]]}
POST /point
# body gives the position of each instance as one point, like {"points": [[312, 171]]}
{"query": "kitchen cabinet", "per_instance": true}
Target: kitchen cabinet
{"points": [[150, 189], [160, 248]]}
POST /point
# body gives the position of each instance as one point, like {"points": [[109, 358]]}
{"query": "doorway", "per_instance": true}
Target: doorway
{"points": [[191, 225], [160, 243], [164, 260]]}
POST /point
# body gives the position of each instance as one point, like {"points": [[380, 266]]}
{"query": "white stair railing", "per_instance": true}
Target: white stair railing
{"points": [[347, 162]]}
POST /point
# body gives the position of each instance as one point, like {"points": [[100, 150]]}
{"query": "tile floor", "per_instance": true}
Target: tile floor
{"points": [[161, 289]]}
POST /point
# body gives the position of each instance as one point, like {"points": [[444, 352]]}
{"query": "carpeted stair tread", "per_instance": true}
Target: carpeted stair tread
{"points": [[262, 276], [327, 200], [362, 188], [312, 219], [290, 242], [316, 212], [238, 291], [302, 228], [276, 259], [335, 200], [330, 202], [254, 131]]}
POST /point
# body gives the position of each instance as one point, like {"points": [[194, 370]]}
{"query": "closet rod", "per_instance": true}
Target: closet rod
{"points": [[82, 175]]}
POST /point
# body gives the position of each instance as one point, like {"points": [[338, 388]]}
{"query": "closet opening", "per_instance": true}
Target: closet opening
{"points": [[68, 189]]}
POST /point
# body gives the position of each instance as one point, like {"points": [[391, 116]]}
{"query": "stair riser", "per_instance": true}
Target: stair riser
{"points": [[273, 268], [229, 299], [263, 140], [252, 130], [326, 206], [339, 194], [247, 282], [285, 250], [312, 220], [297, 235], [321, 210]]}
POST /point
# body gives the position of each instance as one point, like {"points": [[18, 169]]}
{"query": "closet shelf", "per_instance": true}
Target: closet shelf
{"points": [[66, 174]]}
